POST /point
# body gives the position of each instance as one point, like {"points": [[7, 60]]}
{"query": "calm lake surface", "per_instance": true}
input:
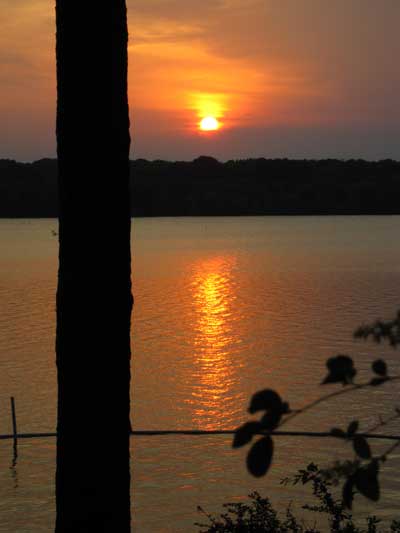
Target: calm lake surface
{"points": [[223, 307]]}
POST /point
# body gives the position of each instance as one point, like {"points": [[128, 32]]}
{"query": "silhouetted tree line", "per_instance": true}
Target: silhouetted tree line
{"points": [[206, 186]]}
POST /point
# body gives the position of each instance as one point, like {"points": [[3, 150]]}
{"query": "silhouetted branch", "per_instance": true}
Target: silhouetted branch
{"points": [[362, 473], [390, 450], [382, 423], [331, 395]]}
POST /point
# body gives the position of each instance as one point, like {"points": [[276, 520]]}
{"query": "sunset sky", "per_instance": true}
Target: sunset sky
{"points": [[284, 78]]}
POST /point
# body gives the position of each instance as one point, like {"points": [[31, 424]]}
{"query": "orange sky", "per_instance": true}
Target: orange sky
{"points": [[287, 78]]}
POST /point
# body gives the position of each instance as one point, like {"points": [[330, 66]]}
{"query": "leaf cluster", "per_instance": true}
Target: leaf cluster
{"points": [[259, 516], [380, 331], [361, 474], [260, 456]]}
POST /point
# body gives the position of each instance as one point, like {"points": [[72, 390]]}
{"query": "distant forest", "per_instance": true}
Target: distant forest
{"points": [[206, 186]]}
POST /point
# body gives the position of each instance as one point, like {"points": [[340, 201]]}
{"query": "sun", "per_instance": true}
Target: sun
{"points": [[209, 124]]}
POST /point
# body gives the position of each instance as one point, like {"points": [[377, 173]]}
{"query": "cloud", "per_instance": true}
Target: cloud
{"points": [[270, 65], [274, 142], [173, 10]]}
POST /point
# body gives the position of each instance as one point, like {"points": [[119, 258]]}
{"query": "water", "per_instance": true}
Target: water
{"points": [[223, 308]]}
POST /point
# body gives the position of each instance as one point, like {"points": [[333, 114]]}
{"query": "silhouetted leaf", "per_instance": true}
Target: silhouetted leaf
{"points": [[353, 427], [361, 332], [259, 458], [341, 370], [366, 481], [339, 433], [379, 367], [377, 381], [348, 493], [271, 420], [244, 434], [381, 330], [266, 399], [361, 447]]}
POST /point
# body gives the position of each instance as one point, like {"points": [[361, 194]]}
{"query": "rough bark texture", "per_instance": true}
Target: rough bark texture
{"points": [[94, 299]]}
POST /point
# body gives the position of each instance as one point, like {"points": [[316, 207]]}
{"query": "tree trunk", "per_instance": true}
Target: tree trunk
{"points": [[94, 298]]}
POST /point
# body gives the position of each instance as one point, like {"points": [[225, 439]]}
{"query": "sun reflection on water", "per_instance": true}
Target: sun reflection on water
{"points": [[214, 293]]}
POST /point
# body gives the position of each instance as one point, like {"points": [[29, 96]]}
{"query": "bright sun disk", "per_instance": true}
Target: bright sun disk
{"points": [[209, 124]]}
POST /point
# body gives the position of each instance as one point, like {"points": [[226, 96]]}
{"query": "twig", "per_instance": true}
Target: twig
{"points": [[331, 395]]}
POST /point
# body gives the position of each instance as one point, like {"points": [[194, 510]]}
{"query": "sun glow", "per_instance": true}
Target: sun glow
{"points": [[209, 124], [210, 110]]}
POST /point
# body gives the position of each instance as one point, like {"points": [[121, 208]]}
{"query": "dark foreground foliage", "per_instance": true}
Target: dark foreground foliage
{"points": [[357, 475], [258, 515]]}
